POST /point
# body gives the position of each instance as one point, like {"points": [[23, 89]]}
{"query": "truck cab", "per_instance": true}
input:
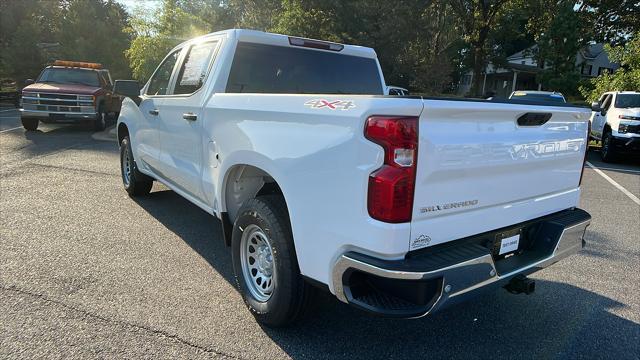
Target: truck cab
{"points": [[615, 121], [69, 92]]}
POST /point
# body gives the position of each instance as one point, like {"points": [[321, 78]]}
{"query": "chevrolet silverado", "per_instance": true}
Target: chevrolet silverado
{"points": [[399, 206]]}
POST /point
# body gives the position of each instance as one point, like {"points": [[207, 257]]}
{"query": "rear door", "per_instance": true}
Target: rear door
{"points": [[480, 168], [181, 135]]}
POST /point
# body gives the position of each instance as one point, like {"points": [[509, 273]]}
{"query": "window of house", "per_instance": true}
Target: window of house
{"points": [[601, 70], [586, 69]]}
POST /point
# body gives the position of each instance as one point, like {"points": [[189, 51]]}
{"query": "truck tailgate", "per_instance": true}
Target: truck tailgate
{"points": [[478, 169]]}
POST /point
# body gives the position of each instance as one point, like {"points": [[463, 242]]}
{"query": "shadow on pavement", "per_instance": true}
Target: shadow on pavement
{"points": [[55, 138], [558, 321], [623, 164]]}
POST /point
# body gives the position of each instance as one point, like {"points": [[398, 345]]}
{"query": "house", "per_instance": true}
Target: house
{"points": [[521, 69]]}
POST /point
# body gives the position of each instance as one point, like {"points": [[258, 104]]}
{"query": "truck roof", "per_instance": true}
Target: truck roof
{"points": [[261, 37]]}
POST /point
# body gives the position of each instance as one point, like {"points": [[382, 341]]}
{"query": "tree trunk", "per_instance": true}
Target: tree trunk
{"points": [[478, 64]]}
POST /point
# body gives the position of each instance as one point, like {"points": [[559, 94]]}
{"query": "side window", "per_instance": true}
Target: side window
{"points": [[195, 67], [103, 82], [159, 84]]}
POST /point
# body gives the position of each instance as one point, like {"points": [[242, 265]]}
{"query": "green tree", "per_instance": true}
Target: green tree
{"points": [[33, 33], [172, 23], [558, 39], [28, 29], [94, 30], [414, 55], [477, 19], [610, 21], [626, 78]]}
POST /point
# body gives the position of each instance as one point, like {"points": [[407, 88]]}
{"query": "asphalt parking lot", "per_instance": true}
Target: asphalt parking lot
{"points": [[85, 271]]}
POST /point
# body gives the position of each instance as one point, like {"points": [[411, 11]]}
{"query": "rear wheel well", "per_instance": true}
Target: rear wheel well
{"points": [[245, 182], [122, 132]]}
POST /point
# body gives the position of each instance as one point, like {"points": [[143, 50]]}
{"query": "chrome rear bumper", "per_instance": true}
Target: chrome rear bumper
{"points": [[455, 270]]}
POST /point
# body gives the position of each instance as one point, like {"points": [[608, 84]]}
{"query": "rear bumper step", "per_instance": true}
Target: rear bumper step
{"points": [[429, 279]]}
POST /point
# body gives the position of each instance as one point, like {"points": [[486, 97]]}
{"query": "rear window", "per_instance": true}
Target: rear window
{"points": [[259, 68], [538, 97], [627, 101]]}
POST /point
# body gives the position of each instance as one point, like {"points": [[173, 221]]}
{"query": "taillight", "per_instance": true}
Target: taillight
{"points": [[586, 151], [390, 197]]}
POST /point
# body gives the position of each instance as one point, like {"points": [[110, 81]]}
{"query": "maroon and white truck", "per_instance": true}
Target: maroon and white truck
{"points": [[70, 92]]}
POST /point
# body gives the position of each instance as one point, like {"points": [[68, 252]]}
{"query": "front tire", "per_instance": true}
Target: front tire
{"points": [[135, 182], [30, 124], [607, 152], [265, 263]]}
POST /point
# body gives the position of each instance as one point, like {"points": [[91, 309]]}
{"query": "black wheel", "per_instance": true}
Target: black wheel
{"points": [[100, 123], [608, 150], [135, 182], [265, 263], [30, 124]]}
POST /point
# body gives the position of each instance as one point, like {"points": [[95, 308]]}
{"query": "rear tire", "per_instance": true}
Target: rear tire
{"points": [[263, 232], [30, 124], [135, 182], [607, 152]]}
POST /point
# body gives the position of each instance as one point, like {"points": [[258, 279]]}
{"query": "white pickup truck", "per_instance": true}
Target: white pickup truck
{"points": [[616, 123], [396, 205]]}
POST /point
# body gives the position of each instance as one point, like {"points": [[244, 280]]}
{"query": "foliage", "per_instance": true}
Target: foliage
{"points": [[422, 45], [477, 18], [610, 21], [25, 26], [33, 33], [415, 55], [94, 31], [558, 40], [626, 78]]}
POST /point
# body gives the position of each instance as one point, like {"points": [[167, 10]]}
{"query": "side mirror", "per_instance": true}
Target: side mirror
{"points": [[128, 88], [29, 82], [595, 106]]}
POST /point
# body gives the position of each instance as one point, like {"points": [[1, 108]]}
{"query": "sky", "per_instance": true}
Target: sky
{"points": [[131, 4]]}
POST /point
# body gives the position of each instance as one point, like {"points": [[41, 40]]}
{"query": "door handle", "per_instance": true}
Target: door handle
{"points": [[190, 116], [154, 112]]}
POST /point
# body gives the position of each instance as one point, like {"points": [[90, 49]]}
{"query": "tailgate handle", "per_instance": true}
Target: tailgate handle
{"points": [[533, 119]]}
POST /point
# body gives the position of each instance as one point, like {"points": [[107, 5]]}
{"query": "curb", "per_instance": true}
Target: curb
{"points": [[109, 134]]}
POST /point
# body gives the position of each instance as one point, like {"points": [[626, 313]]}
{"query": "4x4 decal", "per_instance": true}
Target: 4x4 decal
{"points": [[331, 105]]}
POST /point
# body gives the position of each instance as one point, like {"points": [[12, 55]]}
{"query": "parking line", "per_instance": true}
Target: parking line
{"points": [[621, 170], [7, 130], [618, 186]]}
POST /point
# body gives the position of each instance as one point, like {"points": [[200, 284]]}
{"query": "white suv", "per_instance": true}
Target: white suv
{"points": [[616, 122]]}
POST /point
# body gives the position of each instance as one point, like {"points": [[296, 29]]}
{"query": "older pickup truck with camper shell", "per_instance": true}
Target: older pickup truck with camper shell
{"points": [[396, 205]]}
